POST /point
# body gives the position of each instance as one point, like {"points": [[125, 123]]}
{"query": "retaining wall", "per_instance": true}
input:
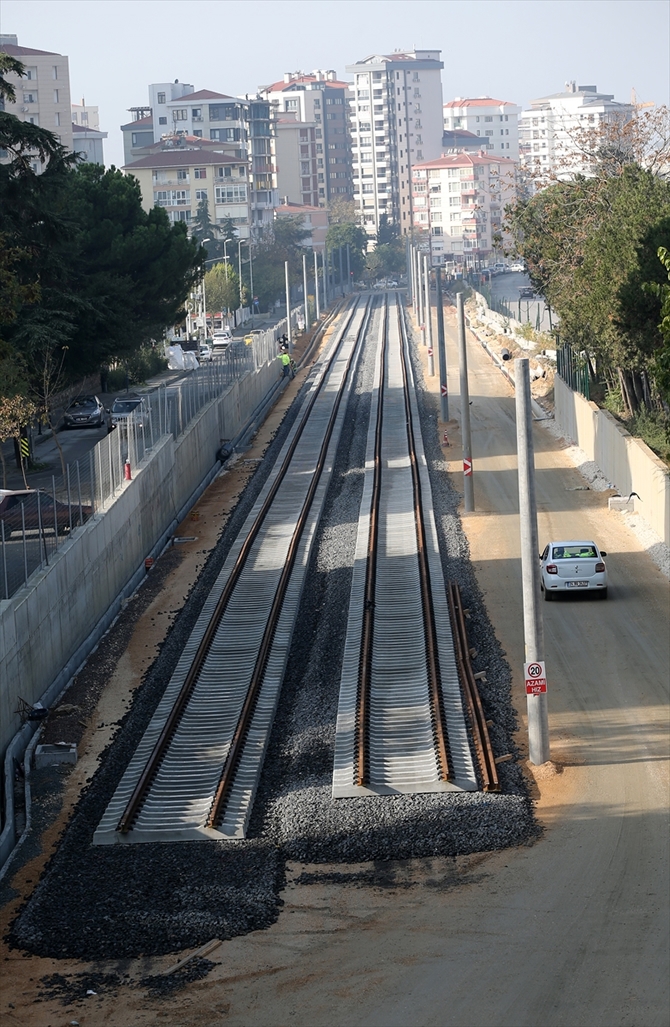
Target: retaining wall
{"points": [[627, 462], [46, 622]]}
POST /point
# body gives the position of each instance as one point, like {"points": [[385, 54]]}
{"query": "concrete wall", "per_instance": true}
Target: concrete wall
{"points": [[627, 462], [45, 623]]}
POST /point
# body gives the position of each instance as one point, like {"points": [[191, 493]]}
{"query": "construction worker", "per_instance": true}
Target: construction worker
{"points": [[286, 363]]}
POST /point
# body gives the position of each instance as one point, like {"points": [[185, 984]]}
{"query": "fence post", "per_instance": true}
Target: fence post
{"points": [[69, 496], [4, 559]]}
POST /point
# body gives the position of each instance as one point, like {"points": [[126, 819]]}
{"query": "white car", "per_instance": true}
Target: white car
{"points": [[573, 567], [517, 267], [205, 352]]}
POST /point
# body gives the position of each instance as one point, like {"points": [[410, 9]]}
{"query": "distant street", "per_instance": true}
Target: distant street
{"points": [[506, 287]]}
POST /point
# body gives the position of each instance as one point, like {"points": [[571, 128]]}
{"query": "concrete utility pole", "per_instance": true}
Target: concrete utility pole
{"points": [[533, 626], [468, 480], [304, 289], [289, 333], [324, 262], [251, 283], [441, 349], [429, 321], [408, 249], [316, 285], [239, 271], [341, 274], [348, 269]]}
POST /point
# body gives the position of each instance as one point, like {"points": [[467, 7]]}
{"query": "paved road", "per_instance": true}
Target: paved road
{"points": [[506, 288], [570, 931]]}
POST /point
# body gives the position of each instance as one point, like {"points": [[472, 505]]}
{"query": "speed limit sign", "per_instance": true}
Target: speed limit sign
{"points": [[536, 677]]}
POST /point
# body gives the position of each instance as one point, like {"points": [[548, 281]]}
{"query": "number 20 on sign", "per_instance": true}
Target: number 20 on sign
{"points": [[536, 677]]}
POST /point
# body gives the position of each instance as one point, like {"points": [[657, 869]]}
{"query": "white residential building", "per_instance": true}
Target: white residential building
{"points": [[549, 131], [496, 122], [88, 143], [396, 122], [459, 200], [85, 115], [320, 100], [43, 93]]}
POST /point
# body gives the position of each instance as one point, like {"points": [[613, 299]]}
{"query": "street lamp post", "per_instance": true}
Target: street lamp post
{"points": [[239, 271], [316, 285], [304, 289], [251, 282]]}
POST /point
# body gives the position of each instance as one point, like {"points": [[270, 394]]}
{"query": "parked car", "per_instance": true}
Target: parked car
{"points": [[221, 340], [14, 517], [573, 567], [527, 292], [124, 406], [517, 267], [87, 412], [205, 352]]}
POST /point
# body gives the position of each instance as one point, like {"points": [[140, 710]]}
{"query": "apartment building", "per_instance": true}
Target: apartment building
{"points": [[494, 122], [88, 143], [43, 93], [177, 177], [314, 221], [318, 100], [241, 125], [297, 160], [459, 200], [549, 131], [85, 115], [396, 122]]}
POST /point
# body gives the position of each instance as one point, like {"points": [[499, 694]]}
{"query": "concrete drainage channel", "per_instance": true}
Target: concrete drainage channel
{"points": [[22, 750]]}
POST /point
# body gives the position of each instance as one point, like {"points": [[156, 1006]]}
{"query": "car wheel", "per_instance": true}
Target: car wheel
{"points": [[603, 593], [547, 595]]}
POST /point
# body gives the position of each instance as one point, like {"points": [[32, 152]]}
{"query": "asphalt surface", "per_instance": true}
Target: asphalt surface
{"points": [[506, 288]]}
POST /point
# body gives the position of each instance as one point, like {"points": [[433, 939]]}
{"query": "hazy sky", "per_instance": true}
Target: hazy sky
{"points": [[511, 49]]}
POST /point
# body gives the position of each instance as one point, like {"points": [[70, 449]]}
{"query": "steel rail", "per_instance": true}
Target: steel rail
{"points": [[155, 759], [368, 626], [480, 732], [432, 654], [255, 684]]}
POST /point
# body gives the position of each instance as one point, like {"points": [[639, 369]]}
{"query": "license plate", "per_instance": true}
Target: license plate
{"points": [[577, 584]]}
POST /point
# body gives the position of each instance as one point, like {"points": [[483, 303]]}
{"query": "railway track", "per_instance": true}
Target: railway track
{"points": [[197, 767], [401, 726]]}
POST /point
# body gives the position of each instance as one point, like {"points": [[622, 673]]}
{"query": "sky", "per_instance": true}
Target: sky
{"points": [[510, 49]]}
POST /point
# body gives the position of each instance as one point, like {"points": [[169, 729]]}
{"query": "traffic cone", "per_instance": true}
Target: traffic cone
{"points": [[126, 471]]}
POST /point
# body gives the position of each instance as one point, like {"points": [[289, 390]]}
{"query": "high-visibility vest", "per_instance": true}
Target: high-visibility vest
{"points": [[285, 358]]}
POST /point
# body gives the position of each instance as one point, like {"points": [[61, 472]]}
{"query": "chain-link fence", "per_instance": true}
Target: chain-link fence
{"points": [[34, 523]]}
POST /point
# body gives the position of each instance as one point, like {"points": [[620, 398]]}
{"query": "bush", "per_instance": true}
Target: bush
{"points": [[143, 364], [653, 427]]}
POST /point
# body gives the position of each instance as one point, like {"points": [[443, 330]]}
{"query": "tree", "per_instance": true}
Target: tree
{"points": [[203, 229], [17, 410], [222, 288], [660, 365], [589, 245], [386, 260], [341, 211], [386, 233], [346, 233]]}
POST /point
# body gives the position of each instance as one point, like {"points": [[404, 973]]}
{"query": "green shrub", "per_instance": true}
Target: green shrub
{"points": [[143, 364], [653, 427]]}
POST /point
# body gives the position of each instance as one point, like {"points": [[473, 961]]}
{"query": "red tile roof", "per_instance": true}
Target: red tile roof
{"points": [[202, 94], [281, 87], [296, 208], [480, 101], [141, 123], [182, 159], [25, 51], [458, 160]]}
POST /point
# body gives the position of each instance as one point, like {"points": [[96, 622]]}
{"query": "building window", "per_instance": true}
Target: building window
{"points": [[197, 132], [317, 104], [56, 100], [57, 118], [200, 173], [290, 105], [231, 194], [162, 121], [180, 114], [201, 194], [182, 175], [486, 119], [54, 71], [30, 97], [196, 113], [160, 97]]}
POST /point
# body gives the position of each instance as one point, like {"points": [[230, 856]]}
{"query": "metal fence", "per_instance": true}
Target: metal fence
{"points": [[573, 369], [35, 524]]}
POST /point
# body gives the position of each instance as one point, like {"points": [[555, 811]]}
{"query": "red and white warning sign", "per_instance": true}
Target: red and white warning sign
{"points": [[443, 389], [536, 677], [430, 351], [467, 465]]}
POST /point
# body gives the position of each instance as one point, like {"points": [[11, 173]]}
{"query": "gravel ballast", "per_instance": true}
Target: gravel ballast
{"points": [[120, 901]]}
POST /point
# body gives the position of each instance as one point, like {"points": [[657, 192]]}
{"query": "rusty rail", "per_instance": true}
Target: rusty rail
{"points": [[480, 731]]}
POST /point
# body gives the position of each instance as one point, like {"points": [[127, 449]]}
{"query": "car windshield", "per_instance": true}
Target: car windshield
{"points": [[579, 552], [126, 406], [86, 402]]}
